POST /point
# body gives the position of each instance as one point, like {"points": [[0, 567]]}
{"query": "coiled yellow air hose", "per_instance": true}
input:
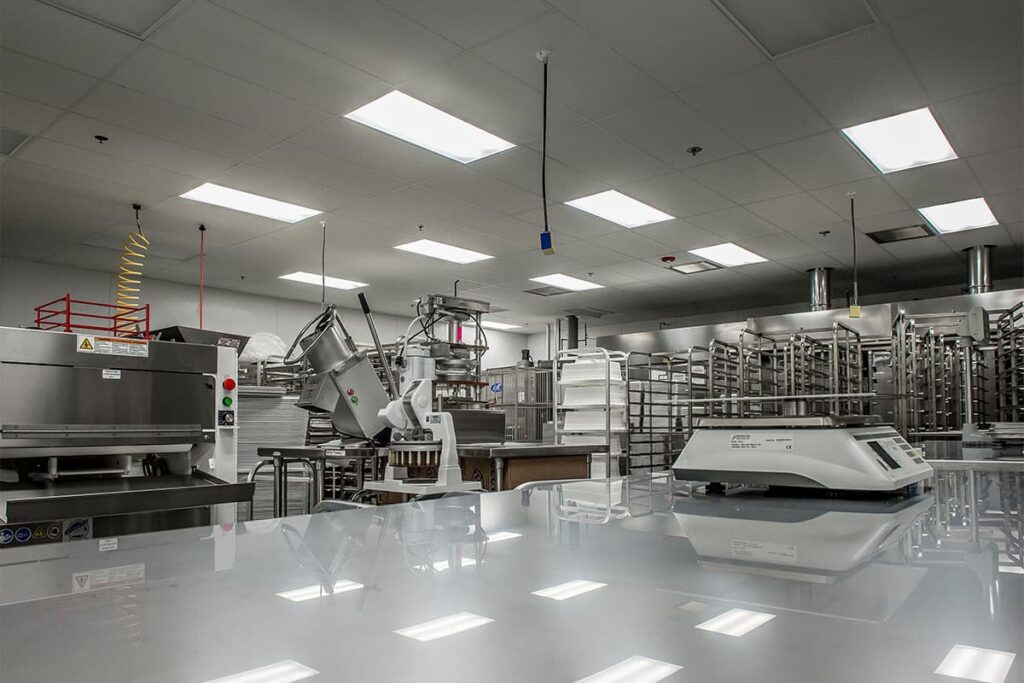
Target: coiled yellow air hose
{"points": [[129, 279]]}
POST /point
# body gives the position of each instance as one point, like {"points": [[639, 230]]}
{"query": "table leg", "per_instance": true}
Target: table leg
{"points": [[280, 492]]}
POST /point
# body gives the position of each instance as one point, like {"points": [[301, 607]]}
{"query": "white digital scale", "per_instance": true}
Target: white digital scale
{"points": [[853, 453]]}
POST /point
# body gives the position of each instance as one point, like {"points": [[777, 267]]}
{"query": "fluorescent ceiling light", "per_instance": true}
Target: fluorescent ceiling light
{"points": [[695, 267], [499, 536], [218, 195], [442, 251], [736, 622], [314, 279], [728, 255], [633, 670], [313, 592], [976, 664], [903, 141], [417, 122], [959, 216], [492, 325], [445, 626], [618, 208], [443, 564], [569, 589], [285, 671], [573, 284]]}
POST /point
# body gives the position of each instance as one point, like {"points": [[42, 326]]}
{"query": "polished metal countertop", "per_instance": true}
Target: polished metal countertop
{"points": [[849, 591], [507, 449]]}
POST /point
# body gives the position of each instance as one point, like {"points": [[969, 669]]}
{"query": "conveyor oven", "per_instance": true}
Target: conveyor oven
{"points": [[102, 437]]}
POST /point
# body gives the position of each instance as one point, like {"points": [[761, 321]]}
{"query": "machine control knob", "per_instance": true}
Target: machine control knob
{"points": [[229, 384]]}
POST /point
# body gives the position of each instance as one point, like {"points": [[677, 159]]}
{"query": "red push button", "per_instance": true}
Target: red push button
{"points": [[229, 384]]}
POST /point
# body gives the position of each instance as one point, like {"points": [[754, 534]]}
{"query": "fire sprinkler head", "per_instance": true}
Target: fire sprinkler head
{"points": [[668, 259]]}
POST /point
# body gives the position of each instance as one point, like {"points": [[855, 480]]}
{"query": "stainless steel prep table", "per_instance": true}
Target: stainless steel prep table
{"points": [[501, 453], [855, 590]]}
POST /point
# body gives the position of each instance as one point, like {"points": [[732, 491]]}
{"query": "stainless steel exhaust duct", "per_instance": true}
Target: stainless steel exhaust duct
{"points": [[821, 289], [979, 268], [572, 331]]}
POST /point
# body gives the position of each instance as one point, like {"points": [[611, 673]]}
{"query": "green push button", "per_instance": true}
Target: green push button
{"points": [[227, 400]]}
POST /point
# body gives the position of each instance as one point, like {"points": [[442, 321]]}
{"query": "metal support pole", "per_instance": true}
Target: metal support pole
{"points": [[821, 288], [979, 268]]}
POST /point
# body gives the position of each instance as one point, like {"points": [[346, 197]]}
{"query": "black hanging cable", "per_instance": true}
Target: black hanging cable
{"points": [[853, 228], [323, 265], [546, 243]]}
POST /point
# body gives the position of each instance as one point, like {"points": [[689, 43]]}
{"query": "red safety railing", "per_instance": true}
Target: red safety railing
{"points": [[75, 315]]}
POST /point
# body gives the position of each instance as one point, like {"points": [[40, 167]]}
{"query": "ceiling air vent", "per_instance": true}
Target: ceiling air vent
{"points": [[547, 291], [909, 232], [589, 312], [696, 267], [11, 140]]}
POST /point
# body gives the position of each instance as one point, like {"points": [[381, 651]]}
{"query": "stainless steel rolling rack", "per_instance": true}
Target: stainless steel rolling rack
{"points": [[1009, 365], [525, 395]]}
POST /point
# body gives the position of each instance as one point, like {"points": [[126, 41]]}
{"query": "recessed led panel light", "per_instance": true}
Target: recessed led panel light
{"points": [[959, 216], [286, 671], [573, 284], [907, 232], [736, 622], [445, 626], [976, 664], [443, 564], [229, 198], [445, 252], [314, 279], [635, 670], [619, 208], [314, 592], [499, 536], [696, 267], [903, 141], [492, 325], [569, 589], [417, 122], [728, 255]]}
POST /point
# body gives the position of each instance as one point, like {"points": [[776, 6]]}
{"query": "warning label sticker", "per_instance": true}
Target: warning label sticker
{"points": [[761, 441], [113, 346], [107, 578], [769, 552]]}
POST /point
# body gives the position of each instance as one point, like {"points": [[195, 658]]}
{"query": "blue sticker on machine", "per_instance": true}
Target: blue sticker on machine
{"points": [[6, 536], [77, 529], [497, 387], [23, 534]]}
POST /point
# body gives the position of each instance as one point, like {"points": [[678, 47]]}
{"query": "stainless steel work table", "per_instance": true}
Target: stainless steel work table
{"points": [[500, 453], [855, 590]]}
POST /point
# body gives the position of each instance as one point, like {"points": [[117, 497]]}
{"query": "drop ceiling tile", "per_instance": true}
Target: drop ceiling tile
{"points": [[517, 269], [896, 9], [285, 188], [364, 146], [985, 121], [607, 276], [324, 169], [100, 165], [874, 196], [477, 91], [677, 195], [855, 78], [667, 128], [168, 76], [73, 129], [521, 167], [39, 81], [412, 223], [365, 34], [758, 107], [469, 22], [678, 234], [743, 179], [162, 119], [481, 242], [60, 181], [629, 243], [914, 251], [794, 212], [605, 156], [733, 224], [61, 38], [999, 171], [31, 196], [565, 220], [805, 262], [949, 181], [818, 161], [777, 274], [422, 200], [958, 48], [208, 33], [1008, 207], [774, 247], [512, 230], [26, 115], [95, 258], [169, 246], [642, 270], [472, 186], [584, 73], [224, 227], [588, 253], [679, 42]]}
